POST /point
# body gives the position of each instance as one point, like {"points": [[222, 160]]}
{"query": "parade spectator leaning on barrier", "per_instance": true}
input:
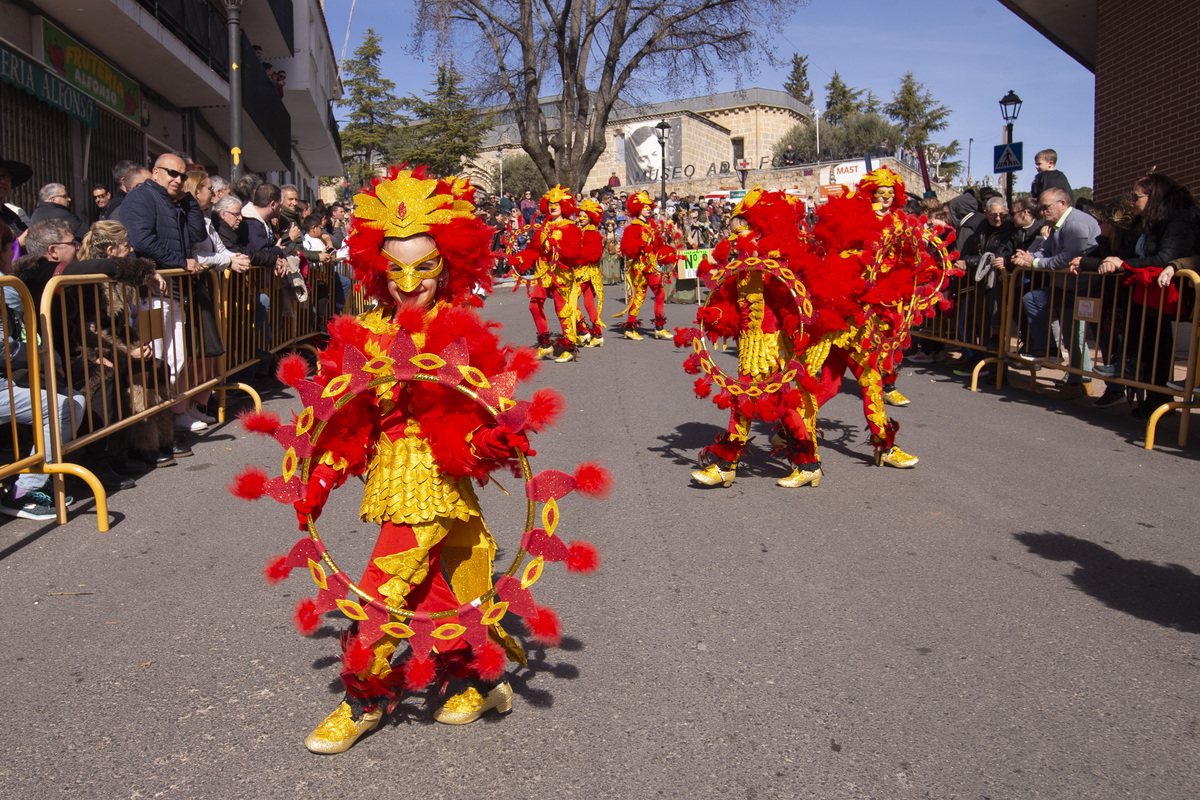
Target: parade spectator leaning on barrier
{"points": [[26, 497], [1069, 234], [258, 234], [1166, 223], [289, 217], [55, 203], [984, 259], [54, 250], [123, 375], [1029, 227], [220, 188], [164, 221]]}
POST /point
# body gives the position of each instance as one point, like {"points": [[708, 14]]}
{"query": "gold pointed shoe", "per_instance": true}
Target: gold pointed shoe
{"points": [[713, 475], [545, 352], [801, 477], [895, 457], [340, 730], [659, 333], [566, 356], [469, 705], [597, 341], [630, 333], [894, 398]]}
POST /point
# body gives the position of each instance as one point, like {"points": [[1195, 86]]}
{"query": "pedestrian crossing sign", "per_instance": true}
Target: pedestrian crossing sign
{"points": [[1008, 157]]}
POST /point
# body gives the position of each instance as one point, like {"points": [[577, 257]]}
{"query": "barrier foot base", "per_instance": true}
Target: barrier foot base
{"points": [[242, 387], [88, 477], [1161, 412]]}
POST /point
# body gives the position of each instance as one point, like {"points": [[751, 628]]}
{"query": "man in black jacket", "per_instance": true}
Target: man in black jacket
{"points": [[984, 257], [55, 203]]}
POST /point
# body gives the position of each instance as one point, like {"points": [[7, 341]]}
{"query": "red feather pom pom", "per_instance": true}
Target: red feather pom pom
{"points": [[276, 570], [583, 557], [411, 317], [418, 673], [593, 480], [703, 386], [263, 423], [525, 363], [547, 405], [293, 370], [306, 618], [543, 626], [489, 661], [356, 657], [249, 484]]}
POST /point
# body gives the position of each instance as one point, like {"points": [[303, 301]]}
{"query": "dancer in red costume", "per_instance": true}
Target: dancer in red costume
{"points": [[552, 255], [589, 284], [645, 254], [388, 403], [902, 282], [766, 316]]}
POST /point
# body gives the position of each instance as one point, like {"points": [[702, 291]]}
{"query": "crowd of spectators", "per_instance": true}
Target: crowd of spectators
{"points": [[171, 216]]}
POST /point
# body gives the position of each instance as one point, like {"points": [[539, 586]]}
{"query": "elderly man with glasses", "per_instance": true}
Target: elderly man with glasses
{"points": [[1069, 234], [55, 203]]}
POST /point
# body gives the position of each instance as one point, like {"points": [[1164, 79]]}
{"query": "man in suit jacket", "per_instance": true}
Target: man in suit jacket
{"points": [[1069, 233]]}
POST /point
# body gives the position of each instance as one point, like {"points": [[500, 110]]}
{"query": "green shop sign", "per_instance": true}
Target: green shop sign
{"points": [[90, 74], [19, 71]]}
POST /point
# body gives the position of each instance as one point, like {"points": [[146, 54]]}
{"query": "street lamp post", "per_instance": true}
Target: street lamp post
{"points": [[500, 155], [1010, 108], [969, 143], [663, 131], [233, 12]]}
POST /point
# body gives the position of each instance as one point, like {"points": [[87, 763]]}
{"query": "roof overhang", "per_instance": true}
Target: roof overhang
{"points": [[1069, 24]]}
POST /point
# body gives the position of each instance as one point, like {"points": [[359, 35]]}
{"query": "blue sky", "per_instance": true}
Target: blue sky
{"points": [[968, 53]]}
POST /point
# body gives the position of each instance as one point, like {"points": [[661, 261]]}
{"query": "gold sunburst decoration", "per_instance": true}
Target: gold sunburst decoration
{"points": [[406, 206]]}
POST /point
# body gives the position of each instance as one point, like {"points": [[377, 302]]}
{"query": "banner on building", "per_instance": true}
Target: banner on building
{"points": [[46, 86], [88, 72]]}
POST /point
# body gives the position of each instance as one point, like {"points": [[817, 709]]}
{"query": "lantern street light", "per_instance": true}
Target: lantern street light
{"points": [[663, 131], [1010, 108], [233, 14]]}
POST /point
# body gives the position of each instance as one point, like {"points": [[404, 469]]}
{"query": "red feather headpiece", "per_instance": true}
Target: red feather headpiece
{"points": [[407, 203]]}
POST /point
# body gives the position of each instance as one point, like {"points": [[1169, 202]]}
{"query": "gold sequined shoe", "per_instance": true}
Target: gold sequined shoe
{"points": [[597, 341], [801, 477], [713, 475], [894, 398], [659, 333], [468, 705], [778, 442], [567, 355], [895, 457], [340, 730], [630, 333]]}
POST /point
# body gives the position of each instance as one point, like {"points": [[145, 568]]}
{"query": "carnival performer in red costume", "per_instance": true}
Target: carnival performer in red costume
{"points": [[765, 311], [902, 282], [645, 254], [402, 397], [552, 255], [589, 284]]}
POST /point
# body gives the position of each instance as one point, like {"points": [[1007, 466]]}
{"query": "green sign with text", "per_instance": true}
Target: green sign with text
{"points": [[90, 74], [25, 74]]}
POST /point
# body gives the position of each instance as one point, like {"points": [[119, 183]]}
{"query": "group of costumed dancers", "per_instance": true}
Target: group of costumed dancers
{"points": [[418, 399], [562, 261]]}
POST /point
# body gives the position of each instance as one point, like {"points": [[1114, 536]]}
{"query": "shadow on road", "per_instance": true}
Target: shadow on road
{"points": [[1167, 594]]}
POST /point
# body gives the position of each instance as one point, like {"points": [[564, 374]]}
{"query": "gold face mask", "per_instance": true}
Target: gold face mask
{"points": [[408, 278]]}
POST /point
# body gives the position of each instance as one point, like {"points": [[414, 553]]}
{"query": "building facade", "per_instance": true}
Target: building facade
{"points": [[87, 83]]}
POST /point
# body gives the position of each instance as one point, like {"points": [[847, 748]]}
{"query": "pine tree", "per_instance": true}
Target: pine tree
{"points": [[374, 111], [871, 105], [840, 100], [797, 83], [915, 112], [448, 130]]}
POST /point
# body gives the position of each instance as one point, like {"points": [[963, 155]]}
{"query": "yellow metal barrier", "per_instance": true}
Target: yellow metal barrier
{"points": [[1098, 314], [13, 396], [977, 320]]}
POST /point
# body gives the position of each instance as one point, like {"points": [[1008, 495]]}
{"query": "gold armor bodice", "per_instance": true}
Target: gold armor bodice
{"points": [[406, 486]]}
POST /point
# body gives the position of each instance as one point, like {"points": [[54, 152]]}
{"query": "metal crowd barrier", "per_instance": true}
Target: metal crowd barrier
{"points": [[1099, 315], [977, 320], [21, 386]]}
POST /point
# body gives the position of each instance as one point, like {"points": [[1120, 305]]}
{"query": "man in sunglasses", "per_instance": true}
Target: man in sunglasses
{"points": [[163, 220]]}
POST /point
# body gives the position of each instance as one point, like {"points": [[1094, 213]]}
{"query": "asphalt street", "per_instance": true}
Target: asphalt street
{"points": [[1016, 617]]}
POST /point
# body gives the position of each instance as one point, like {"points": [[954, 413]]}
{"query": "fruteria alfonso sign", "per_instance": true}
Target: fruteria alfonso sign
{"points": [[19, 71], [89, 73]]}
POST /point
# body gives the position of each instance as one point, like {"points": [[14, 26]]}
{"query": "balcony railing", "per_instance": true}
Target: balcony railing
{"points": [[261, 100], [197, 25]]}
